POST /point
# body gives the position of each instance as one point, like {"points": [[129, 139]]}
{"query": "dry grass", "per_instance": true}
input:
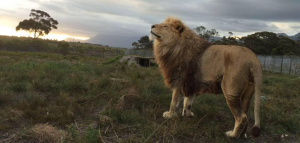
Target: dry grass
{"points": [[111, 102], [40, 133]]}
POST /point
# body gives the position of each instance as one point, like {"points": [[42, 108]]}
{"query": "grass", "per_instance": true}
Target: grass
{"points": [[76, 93]]}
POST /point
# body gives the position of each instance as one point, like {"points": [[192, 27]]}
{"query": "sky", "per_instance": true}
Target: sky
{"points": [[83, 19]]}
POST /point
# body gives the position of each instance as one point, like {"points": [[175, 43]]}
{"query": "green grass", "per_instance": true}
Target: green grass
{"points": [[73, 93]]}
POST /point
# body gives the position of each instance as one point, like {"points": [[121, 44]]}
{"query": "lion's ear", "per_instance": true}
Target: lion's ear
{"points": [[178, 26]]}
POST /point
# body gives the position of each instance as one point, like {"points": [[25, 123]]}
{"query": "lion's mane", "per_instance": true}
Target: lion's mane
{"points": [[178, 60]]}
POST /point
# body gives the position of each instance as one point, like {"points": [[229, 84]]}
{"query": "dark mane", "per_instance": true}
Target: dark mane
{"points": [[193, 86]]}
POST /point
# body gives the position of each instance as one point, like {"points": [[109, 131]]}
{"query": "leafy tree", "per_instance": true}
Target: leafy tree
{"points": [[64, 48], [40, 23], [227, 41], [206, 34], [285, 46], [297, 47], [261, 42], [135, 45], [269, 40], [144, 42]]}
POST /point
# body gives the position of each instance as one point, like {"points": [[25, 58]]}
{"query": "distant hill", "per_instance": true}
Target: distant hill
{"points": [[125, 41], [282, 34], [114, 40], [294, 37], [215, 38], [69, 39]]}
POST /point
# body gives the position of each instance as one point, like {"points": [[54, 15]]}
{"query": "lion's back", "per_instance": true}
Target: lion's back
{"points": [[216, 57]]}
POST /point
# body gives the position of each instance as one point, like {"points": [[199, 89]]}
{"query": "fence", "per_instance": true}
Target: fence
{"points": [[280, 64], [143, 53]]}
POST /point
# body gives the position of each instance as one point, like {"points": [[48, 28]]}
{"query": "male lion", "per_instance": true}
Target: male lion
{"points": [[190, 65]]}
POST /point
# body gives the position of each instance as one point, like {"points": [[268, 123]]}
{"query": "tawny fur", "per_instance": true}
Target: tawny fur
{"points": [[194, 66]]}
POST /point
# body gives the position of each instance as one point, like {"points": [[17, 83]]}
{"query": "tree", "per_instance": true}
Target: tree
{"points": [[269, 40], [297, 47], [285, 46], [64, 48], [261, 42], [206, 34], [135, 45], [40, 23], [227, 41], [144, 42]]}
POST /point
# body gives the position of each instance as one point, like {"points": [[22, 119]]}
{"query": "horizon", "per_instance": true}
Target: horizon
{"points": [[133, 18]]}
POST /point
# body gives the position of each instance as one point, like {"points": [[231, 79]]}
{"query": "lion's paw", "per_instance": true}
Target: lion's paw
{"points": [[168, 114], [187, 113], [230, 134]]}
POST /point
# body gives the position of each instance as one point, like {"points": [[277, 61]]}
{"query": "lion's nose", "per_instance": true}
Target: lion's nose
{"points": [[153, 26]]}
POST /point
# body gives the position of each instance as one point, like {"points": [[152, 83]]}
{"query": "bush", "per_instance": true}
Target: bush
{"points": [[64, 48]]}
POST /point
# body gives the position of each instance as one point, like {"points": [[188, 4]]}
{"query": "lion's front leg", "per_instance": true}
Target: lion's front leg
{"points": [[187, 105], [176, 97]]}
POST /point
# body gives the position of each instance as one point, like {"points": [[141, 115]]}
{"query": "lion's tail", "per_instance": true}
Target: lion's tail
{"points": [[257, 74]]}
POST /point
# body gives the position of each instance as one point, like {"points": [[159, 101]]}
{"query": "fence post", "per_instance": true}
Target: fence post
{"points": [[264, 68], [291, 59], [273, 62], [281, 64]]}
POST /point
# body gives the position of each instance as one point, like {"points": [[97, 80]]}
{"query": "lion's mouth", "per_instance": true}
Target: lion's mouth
{"points": [[155, 34]]}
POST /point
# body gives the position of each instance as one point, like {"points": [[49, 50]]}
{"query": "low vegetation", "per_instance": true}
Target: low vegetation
{"points": [[27, 44], [90, 99]]}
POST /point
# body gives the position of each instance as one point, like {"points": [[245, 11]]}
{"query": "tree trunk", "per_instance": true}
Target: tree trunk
{"points": [[35, 33]]}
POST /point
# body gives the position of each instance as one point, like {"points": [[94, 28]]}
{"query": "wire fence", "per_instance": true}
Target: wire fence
{"points": [[143, 53], [279, 64]]}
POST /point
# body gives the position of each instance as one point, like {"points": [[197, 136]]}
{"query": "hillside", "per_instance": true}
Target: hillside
{"points": [[113, 40], [293, 37]]}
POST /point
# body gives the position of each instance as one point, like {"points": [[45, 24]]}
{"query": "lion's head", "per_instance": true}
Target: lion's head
{"points": [[170, 29]]}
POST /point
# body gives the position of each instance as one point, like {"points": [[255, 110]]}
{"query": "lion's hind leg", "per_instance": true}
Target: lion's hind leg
{"points": [[246, 99], [233, 97]]}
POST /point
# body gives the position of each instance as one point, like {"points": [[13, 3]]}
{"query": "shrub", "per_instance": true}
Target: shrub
{"points": [[64, 48]]}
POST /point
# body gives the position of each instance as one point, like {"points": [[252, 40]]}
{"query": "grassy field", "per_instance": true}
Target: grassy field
{"points": [[48, 97]]}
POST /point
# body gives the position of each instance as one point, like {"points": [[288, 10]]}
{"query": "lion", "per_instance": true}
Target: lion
{"points": [[192, 66]]}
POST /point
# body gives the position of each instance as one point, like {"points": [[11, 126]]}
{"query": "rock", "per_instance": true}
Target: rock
{"points": [[130, 60]]}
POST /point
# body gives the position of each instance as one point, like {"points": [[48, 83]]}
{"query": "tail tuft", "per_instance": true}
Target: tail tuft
{"points": [[255, 132]]}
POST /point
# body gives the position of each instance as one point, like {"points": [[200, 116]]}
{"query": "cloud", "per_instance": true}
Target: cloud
{"points": [[134, 17]]}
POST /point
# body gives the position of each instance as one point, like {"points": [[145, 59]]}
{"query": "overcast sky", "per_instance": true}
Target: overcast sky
{"points": [[87, 18]]}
